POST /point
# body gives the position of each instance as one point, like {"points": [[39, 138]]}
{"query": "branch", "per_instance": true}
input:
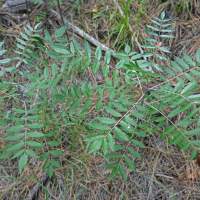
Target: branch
{"points": [[82, 34], [60, 11]]}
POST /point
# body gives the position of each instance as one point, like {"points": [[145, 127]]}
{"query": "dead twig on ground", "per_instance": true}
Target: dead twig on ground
{"points": [[82, 34], [60, 11]]}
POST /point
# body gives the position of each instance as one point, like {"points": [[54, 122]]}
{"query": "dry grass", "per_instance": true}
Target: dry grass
{"points": [[164, 173]]}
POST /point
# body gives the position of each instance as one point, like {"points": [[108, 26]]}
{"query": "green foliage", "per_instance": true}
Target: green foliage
{"points": [[157, 36], [126, 21], [154, 54], [182, 6], [60, 92], [118, 136], [121, 24], [27, 44], [169, 108]]}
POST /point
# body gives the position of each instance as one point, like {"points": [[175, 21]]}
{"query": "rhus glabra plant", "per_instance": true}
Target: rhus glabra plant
{"points": [[54, 86]]}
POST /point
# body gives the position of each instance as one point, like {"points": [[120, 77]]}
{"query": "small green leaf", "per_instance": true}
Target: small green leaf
{"points": [[107, 57], [162, 15], [122, 171], [133, 153], [194, 154], [137, 143], [22, 162], [15, 147], [120, 135], [98, 53], [105, 70], [194, 97], [130, 163], [18, 153], [15, 129], [14, 137], [54, 70], [35, 134], [106, 120], [127, 49], [95, 146], [31, 153], [5, 61], [87, 49], [98, 126], [198, 56], [61, 50], [34, 144], [105, 146], [189, 88], [111, 142], [113, 112], [60, 32], [56, 152], [35, 126], [53, 143], [46, 73]]}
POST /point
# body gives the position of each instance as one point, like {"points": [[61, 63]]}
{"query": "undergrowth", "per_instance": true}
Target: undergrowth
{"points": [[57, 94]]}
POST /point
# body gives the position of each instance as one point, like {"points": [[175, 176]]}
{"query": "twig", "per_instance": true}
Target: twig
{"points": [[46, 7], [82, 34], [60, 11], [129, 111], [172, 78], [152, 177], [28, 12], [139, 47]]}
